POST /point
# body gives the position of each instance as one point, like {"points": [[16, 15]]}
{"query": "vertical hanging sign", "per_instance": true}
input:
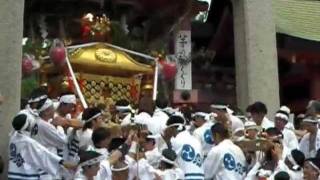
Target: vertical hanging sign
{"points": [[183, 60]]}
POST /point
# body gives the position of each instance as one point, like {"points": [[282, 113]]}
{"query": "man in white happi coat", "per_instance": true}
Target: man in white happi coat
{"points": [[224, 113], [31, 110], [159, 117], [44, 132], [187, 147], [310, 142], [258, 111], [203, 122], [225, 161], [27, 156], [65, 123], [290, 140]]}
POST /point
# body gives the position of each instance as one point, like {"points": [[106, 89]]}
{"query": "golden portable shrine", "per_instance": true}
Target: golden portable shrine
{"points": [[104, 74]]}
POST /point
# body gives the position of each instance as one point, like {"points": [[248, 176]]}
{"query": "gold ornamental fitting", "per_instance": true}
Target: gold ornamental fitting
{"points": [[106, 55]]}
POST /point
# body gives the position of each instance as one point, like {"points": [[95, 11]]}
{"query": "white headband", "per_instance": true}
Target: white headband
{"points": [[93, 117], [92, 161], [293, 162], [282, 116], [68, 99], [153, 136], [174, 124], [120, 169], [200, 114], [216, 106], [310, 120], [167, 160], [255, 127], [46, 105], [123, 108], [37, 99]]}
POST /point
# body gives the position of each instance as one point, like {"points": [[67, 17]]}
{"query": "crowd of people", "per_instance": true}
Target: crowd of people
{"points": [[52, 139]]}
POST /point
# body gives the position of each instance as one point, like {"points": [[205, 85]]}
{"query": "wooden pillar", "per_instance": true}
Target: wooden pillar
{"points": [[11, 32], [256, 54]]}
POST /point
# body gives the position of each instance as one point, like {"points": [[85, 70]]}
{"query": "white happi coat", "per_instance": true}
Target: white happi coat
{"points": [[147, 172], [236, 123], [225, 161], [159, 120], [161, 143], [290, 140], [104, 172], [190, 157], [153, 157], [27, 157], [171, 174], [31, 114], [266, 123], [48, 136], [85, 138], [294, 175], [305, 143], [203, 134]]}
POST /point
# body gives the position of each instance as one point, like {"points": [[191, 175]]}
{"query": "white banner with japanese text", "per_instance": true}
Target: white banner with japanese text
{"points": [[183, 60]]}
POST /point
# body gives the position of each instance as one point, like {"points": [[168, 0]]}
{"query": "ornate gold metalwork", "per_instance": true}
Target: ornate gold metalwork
{"points": [[106, 55]]}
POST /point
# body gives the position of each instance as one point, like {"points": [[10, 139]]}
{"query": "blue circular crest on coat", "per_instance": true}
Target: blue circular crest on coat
{"points": [[187, 153], [229, 162], [208, 137], [13, 150]]}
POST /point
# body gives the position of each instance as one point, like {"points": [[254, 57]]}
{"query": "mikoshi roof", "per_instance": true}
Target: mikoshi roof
{"points": [[102, 59]]}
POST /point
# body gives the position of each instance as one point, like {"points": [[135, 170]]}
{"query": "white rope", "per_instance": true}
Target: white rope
{"points": [[155, 81], [75, 82]]}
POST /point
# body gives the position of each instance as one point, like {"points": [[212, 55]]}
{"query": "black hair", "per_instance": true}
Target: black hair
{"points": [[282, 175], [67, 93], [257, 107], [19, 121], [162, 102], [87, 155], [274, 132], [87, 114], [115, 143], [38, 92], [122, 102], [167, 165], [298, 156], [219, 128], [99, 135], [174, 119], [170, 155]]}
